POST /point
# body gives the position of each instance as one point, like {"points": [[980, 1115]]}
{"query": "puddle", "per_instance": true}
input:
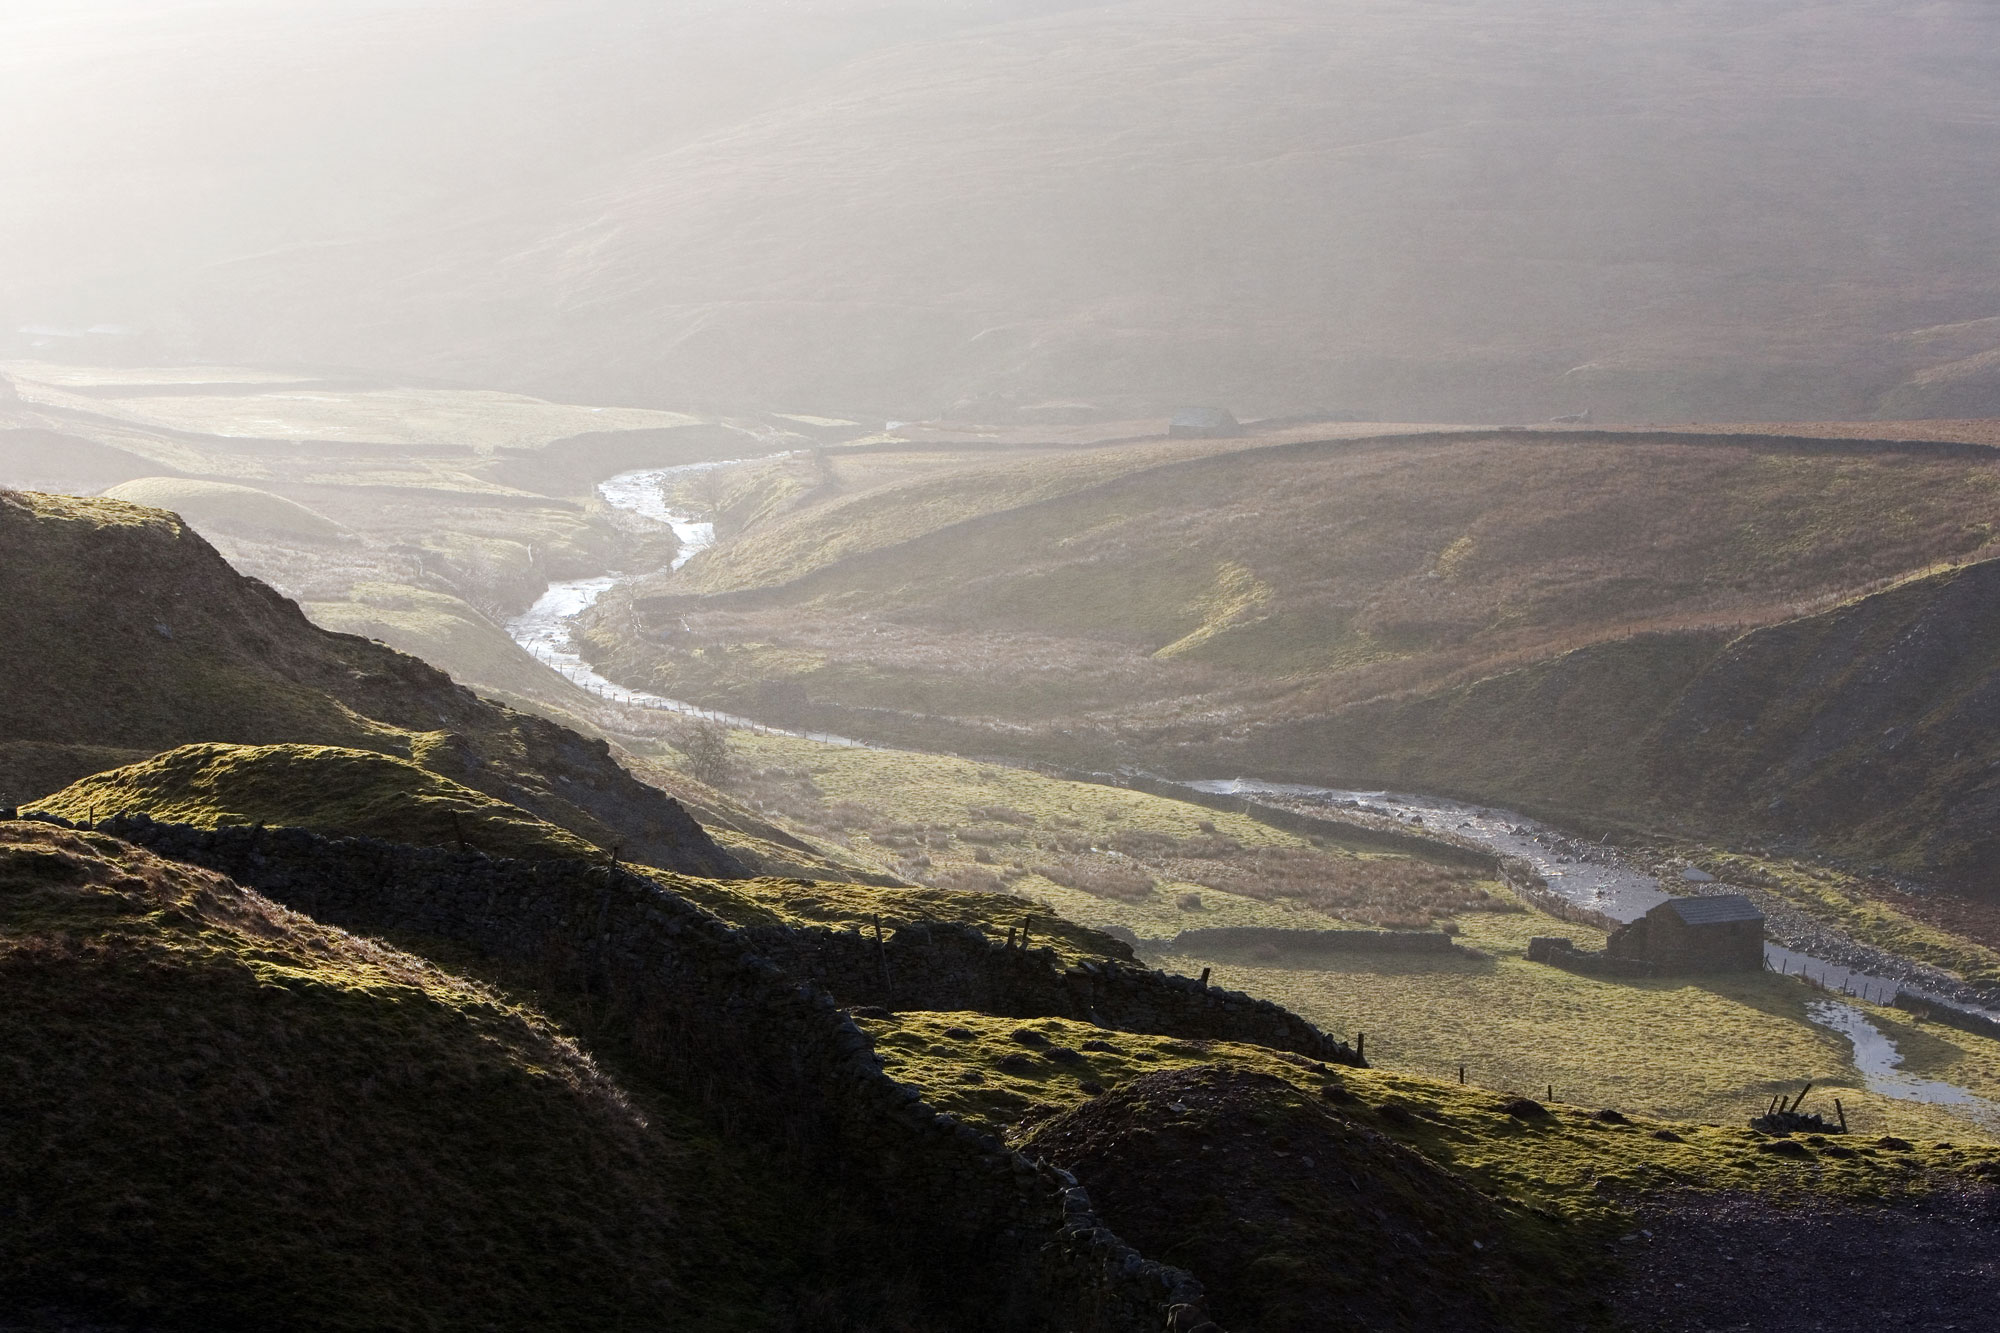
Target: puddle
{"points": [[1880, 1064]]}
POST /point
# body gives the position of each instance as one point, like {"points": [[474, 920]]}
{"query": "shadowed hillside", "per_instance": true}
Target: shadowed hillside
{"points": [[125, 634], [1870, 730], [226, 1115]]}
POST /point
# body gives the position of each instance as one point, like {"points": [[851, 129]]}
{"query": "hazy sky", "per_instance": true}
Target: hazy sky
{"points": [[1379, 202]]}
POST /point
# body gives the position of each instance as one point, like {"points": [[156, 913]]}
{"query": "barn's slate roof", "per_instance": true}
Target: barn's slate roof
{"points": [[1711, 911]]}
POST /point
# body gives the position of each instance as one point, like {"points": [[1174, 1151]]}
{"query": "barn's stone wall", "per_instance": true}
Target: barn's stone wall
{"points": [[1672, 945]]}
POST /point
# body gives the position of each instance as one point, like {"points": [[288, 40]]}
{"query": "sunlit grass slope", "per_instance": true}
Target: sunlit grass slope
{"points": [[218, 1113], [352, 793], [979, 1068]]}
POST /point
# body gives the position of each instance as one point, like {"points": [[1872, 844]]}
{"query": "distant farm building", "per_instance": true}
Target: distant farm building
{"points": [[1724, 933], [1203, 423]]}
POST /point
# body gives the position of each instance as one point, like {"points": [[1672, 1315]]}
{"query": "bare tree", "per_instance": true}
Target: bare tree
{"points": [[704, 743]]}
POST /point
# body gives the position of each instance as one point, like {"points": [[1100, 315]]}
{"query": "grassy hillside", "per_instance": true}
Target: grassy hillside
{"points": [[1180, 600], [1701, 1049], [221, 1114], [1866, 731], [121, 628], [328, 790]]}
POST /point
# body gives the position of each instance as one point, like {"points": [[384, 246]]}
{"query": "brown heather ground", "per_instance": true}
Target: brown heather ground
{"points": [[1119, 595]]}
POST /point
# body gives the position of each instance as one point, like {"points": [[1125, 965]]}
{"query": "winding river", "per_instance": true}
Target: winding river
{"points": [[545, 629], [1589, 875]]}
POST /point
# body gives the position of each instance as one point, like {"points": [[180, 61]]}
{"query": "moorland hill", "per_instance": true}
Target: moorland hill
{"points": [[738, 1103], [1868, 731], [126, 634], [1287, 610]]}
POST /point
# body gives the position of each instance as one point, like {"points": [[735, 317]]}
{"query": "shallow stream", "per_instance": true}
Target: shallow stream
{"points": [[1880, 1063], [545, 629]]}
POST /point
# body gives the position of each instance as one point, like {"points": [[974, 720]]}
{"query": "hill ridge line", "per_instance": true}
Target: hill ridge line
{"points": [[606, 931], [1800, 444]]}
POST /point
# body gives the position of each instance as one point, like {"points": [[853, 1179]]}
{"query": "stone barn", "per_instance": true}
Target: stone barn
{"points": [[1204, 423], [1724, 933]]}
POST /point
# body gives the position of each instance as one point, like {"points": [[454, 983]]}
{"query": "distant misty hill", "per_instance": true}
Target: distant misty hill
{"points": [[1492, 209]]}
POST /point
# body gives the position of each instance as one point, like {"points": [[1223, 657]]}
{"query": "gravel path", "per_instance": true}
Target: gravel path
{"points": [[1708, 1265]]}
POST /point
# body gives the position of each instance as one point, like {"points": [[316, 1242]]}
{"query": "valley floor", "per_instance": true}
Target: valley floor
{"points": [[1709, 1049]]}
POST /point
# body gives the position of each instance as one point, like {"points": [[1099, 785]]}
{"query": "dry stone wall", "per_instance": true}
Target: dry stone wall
{"points": [[951, 966], [1306, 941]]}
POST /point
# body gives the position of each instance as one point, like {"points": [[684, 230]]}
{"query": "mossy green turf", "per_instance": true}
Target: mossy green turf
{"points": [[943, 793], [215, 1113], [355, 793], [358, 793], [970, 1065]]}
